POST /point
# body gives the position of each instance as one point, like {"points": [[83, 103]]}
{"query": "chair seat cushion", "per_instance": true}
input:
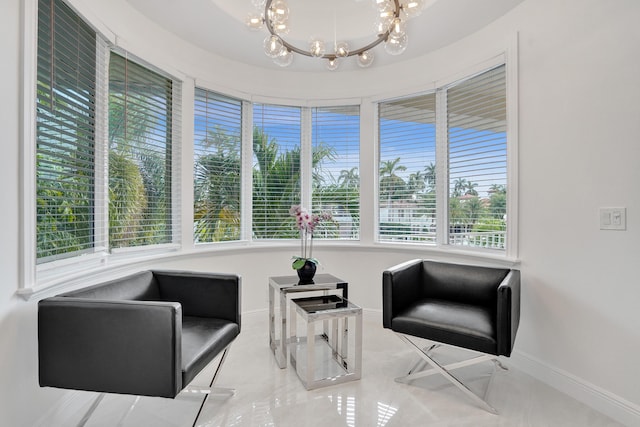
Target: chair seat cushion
{"points": [[449, 322], [202, 339]]}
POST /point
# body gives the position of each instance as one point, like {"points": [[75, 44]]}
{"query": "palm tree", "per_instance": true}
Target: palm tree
{"points": [[430, 175], [217, 188], [349, 179], [391, 185], [473, 209], [417, 183], [459, 187], [471, 189]]}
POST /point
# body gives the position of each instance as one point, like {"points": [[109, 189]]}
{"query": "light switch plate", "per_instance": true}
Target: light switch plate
{"points": [[613, 218]]}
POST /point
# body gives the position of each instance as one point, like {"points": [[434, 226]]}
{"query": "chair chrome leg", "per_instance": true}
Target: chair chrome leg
{"points": [[211, 390], [437, 368]]}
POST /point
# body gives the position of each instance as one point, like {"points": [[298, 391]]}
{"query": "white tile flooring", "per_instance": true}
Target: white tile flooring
{"points": [[268, 396]]}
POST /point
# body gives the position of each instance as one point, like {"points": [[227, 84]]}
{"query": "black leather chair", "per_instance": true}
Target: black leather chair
{"points": [[146, 334], [470, 307]]}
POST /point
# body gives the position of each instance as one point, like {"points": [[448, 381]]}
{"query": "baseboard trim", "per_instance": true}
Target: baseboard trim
{"points": [[610, 404]]}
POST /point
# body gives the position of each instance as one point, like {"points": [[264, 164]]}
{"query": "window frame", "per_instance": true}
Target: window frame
{"points": [[72, 271], [439, 87], [34, 276]]}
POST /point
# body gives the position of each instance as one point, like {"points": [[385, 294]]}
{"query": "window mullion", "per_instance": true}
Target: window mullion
{"points": [[101, 218], [246, 185], [306, 154], [442, 170]]}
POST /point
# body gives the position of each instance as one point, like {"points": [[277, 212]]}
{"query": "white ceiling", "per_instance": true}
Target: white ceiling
{"points": [[219, 26]]}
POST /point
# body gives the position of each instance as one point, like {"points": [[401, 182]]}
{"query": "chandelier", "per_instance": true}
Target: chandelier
{"points": [[389, 29]]}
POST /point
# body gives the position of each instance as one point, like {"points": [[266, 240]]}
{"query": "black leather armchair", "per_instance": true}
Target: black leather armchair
{"points": [[146, 334], [471, 307]]}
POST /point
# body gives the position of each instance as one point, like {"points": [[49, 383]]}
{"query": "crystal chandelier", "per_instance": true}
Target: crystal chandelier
{"points": [[389, 29]]}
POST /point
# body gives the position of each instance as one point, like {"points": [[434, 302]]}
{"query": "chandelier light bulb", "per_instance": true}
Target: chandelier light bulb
{"points": [[365, 59], [332, 64], [273, 46], [382, 26], [284, 58], [412, 8], [387, 11], [278, 12], [281, 28], [317, 48], [255, 21], [383, 4], [342, 49], [396, 44], [397, 27]]}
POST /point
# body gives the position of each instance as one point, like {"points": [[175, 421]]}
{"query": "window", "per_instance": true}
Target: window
{"points": [[217, 167], [407, 176], [65, 133], [140, 155], [477, 141], [455, 136], [104, 144], [276, 169], [335, 165]]}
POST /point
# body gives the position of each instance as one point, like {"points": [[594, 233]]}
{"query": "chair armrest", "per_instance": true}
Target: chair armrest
{"points": [[130, 347], [401, 285], [202, 294], [508, 316]]}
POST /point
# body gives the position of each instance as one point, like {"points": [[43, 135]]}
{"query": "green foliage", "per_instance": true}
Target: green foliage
{"points": [[127, 201], [217, 189]]}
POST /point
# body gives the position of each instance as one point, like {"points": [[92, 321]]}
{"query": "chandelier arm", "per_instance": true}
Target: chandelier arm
{"points": [[330, 56]]}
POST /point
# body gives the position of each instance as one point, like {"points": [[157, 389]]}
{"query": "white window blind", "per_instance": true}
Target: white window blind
{"points": [[477, 141], [65, 133], [217, 167], [140, 155], [276, 170], [407, 174], [335, 167]]}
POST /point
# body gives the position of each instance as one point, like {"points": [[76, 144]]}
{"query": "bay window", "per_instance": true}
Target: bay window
{"points": [[443, 160]]}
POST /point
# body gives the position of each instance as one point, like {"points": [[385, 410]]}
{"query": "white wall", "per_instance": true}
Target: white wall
{"points": [[579, 149]]}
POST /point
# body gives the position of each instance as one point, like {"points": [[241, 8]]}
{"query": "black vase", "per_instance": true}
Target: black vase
{"points": [[306, 273]]}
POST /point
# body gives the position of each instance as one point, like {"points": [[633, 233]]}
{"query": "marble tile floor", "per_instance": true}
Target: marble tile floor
{"points": [[269, 396]]}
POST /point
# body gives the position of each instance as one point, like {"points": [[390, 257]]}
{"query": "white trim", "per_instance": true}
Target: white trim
{"points": [[28, 144], [246, 186], [610, 404], [368, 168], [442, 171], [306, 157], [513, 190], [101, 150], [184, 192]]}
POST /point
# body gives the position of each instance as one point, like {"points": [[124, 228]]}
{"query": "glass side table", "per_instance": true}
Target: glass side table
{"points": [[325, 356], [281, 290]]}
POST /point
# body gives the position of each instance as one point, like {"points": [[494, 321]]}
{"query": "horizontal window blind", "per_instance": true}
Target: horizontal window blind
{"points": [[140, 155], [65, 133], [477, 141], [276, 170], [407, 174], [217, 148], [335, 167]]}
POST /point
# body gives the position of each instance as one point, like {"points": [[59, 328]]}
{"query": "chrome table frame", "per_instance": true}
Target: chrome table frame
{"points": [[281, 290], [323, 359]]}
